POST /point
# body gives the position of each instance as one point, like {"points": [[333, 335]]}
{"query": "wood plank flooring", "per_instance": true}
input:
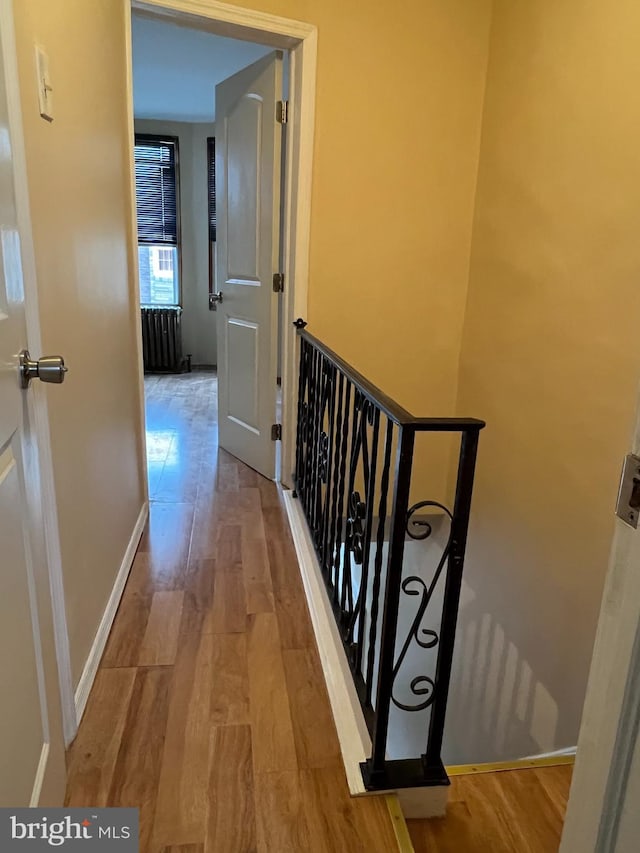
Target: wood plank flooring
{"points": [[209, 710], [514, 811]]}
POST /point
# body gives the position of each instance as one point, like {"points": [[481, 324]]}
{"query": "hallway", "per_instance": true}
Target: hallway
{"points": [[209, 710]]}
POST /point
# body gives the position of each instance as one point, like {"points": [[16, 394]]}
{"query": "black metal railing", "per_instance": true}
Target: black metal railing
{"points": [[354, 458]]}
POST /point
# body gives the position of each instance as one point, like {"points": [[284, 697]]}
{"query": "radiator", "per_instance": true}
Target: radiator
{"points": [[162, 340]]}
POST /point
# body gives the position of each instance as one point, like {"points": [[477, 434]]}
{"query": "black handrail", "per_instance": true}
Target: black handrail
{"points": [[393, 410], [356, 503]]}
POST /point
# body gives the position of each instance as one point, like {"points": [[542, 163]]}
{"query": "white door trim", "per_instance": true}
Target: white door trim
{"points": [[134, 276], [301, 41], [38, 400]]}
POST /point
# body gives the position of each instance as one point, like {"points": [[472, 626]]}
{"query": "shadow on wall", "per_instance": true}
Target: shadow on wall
{"points": [[497, 709]]}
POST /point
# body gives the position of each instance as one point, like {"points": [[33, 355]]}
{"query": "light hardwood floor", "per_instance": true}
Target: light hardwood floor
{"points": [[515, 811], [209, 710]]}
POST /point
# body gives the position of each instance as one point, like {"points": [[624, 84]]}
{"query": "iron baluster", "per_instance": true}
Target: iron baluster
{"points": [[370, 490], [308, 427], [326, 462], [358, 521], [341, 492], [316, 358], [347, 593], [343, 478], [459, 531], [375, 771], [318, 453], [377, 568], [301, 425], [330, 557]]}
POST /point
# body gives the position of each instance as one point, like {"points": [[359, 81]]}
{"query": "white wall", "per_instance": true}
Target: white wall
{"points": [[198, 323]]}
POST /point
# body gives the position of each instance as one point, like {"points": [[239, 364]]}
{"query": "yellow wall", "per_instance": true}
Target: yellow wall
{"points": [[79, 193], [399, 101], [550, 358], [398, 111], [550, 344]]}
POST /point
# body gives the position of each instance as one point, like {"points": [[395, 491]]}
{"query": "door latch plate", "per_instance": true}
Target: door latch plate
{"points": [[628, 505]]}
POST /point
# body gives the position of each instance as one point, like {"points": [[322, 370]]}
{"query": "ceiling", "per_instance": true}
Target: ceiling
{"points": [[175, 69]]}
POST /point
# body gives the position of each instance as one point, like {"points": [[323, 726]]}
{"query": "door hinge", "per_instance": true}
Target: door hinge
{"points": [[278, 282], [628, 503], [282, 111], [276, 432]]}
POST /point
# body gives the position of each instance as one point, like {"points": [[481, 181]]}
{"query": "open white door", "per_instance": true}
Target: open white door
{"points": [[248, 146], [604, 806], [32, 769]]}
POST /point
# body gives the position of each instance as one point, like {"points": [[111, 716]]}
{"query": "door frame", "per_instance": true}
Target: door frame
{"points": [[300, 40], [37, 400]]}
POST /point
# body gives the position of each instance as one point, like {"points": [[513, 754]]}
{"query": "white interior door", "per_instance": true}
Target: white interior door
{"points": [[603, 815], [31, 744], [248, 147]]}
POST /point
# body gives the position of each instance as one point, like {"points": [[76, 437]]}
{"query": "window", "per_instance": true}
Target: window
{"points": [[156, 165], [211, 195], [165, 260]]}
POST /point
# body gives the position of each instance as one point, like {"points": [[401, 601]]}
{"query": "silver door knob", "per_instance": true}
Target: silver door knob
{"points": [[214, 298], [50, 368]]}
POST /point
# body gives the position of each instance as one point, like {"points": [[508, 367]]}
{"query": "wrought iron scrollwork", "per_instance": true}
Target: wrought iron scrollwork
{"points": [[355, 528], [323, 457], [303, 418], [353, 464], [358, 525], [422, 685]]}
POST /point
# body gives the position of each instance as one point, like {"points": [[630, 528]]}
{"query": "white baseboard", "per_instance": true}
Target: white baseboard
{"points": [[93, 661], [353, 736], [558, 753], [39, 779]]}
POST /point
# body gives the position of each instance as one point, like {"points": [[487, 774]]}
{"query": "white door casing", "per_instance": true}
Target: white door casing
{"points": [[32, 769], [248, 148], [300, 39]]}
